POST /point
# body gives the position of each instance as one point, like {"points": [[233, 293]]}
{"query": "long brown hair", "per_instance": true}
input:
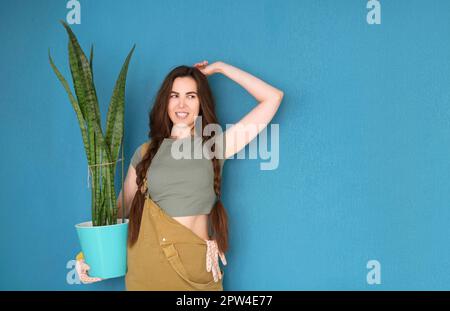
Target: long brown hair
{"points": [[160, 128]]}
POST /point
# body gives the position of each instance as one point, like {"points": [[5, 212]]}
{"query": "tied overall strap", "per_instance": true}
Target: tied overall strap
{"points": [[170, 251]]}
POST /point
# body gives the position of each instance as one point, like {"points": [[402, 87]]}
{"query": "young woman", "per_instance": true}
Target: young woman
{"points": [[178, 226]]}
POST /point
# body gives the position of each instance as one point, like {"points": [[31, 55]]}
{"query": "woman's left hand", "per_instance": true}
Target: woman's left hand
{"points": [[206, 69]]}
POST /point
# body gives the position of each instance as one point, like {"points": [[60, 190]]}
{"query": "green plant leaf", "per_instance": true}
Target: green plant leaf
{"points": [[86, 83], [75, 105], [115, 117], [91, 58]]}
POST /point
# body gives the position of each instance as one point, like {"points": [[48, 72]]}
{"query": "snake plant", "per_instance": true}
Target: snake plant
{"points": [[102, 150]]}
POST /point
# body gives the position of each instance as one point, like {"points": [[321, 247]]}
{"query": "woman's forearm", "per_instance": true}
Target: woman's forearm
{"points": [[128, 201], [130, 190], [259, 89], [119, 207]]}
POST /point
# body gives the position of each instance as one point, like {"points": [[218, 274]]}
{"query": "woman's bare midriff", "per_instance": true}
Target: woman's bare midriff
{"points": [[197, 224]]}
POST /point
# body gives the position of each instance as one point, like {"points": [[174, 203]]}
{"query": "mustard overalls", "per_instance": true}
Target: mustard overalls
{"points": [[167, 255]]}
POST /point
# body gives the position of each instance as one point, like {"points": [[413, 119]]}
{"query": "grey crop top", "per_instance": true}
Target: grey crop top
{"points": [[181, 187]]}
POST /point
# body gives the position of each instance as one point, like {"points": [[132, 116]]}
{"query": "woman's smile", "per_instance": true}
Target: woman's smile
{"points": [[182, 114]]}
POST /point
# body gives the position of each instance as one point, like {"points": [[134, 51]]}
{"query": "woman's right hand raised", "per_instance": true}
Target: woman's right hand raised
{"points": [[82, 269]]}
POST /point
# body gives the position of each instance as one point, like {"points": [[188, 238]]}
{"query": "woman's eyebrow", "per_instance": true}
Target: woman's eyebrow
{"points": [[192, 92]]}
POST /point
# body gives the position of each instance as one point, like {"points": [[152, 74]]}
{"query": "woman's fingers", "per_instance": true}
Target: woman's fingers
{"points": [[200, 64], [79, 267], [82, 269], [87, 279]]}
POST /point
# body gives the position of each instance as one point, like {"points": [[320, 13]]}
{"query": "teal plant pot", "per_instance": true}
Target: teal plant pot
{"points": [[104, 248]]}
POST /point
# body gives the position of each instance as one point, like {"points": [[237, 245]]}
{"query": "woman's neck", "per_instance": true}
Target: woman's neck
{"points": [[179, 133]]}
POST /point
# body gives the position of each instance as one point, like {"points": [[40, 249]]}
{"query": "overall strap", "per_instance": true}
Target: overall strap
{"points": [[171, 252], [174, 259], [144, 148]]}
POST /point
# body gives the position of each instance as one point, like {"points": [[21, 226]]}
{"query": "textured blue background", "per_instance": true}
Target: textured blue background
{"points": [[364, 148]]}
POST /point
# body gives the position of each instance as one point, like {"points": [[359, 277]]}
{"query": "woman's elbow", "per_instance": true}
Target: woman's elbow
{"points": [[280, 95]]}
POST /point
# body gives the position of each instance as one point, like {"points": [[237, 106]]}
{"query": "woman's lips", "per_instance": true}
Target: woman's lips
{"points": [[181, 115]]}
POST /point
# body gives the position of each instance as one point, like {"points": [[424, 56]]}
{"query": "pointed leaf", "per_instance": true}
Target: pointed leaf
{"points": [[115, 117]]}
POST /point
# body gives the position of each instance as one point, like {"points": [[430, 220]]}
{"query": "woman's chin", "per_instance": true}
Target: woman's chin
{"points": [[182, 123]]}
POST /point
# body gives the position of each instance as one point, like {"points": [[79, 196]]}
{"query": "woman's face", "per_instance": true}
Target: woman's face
{"points": [[184, 104]]}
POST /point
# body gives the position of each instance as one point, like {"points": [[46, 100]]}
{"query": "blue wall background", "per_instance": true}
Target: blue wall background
{"points": [[364, 135]]}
